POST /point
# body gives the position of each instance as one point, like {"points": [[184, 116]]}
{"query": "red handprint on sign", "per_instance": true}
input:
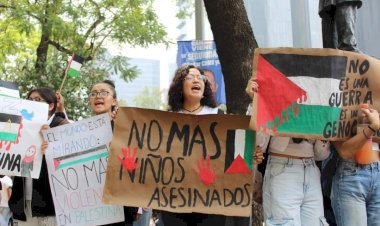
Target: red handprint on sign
{"points": [[204, 172], [129, 162]]}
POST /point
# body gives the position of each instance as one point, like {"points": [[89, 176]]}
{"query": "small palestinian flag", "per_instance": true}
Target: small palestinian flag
{"points": [[9, 127], [9, 89], [74, 65], [239, 151]]}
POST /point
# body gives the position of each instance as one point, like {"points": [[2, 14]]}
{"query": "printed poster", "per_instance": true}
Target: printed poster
{"points": [[203, 54]]}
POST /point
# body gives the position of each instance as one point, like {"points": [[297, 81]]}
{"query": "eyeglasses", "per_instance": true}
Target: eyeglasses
{"points": [[191, 77], [37, 99], [102, 93]]}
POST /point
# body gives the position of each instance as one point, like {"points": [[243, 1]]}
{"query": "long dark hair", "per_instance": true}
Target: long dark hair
{"points": [[48, 95], [175, 94]]}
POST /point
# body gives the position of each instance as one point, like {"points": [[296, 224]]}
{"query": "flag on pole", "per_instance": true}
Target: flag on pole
{"points": [[74, 65], [9, 89]]}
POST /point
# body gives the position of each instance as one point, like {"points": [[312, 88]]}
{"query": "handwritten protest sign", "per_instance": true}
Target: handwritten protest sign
{"points": [[20, 140], [77, 162], [312, 93], [180, 162]]}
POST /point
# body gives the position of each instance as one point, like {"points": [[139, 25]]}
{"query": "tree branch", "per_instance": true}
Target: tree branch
{"points": [[100, 19], [93, 26], [61, 48]]}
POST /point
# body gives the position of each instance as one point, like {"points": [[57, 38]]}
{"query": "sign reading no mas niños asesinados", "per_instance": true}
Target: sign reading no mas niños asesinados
{"points": [[180, 162], [77, 163], [312, 93], [20, 139]]}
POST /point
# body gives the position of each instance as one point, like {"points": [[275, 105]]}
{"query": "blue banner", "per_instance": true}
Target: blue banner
{"points": [[203, 54]]}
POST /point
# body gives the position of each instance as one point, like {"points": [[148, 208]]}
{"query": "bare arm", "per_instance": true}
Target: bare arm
{"points": [[347, 149], [9, 191], [252, 87], [376, 139]]}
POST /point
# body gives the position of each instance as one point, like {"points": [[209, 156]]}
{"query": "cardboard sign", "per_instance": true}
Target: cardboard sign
{"points": [[20, 139], [181, 163], [77, 162], [312, 93]]}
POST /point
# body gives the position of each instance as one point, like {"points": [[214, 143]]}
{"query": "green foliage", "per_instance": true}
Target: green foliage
{"points": [[38, 37], [186, 8], [150, 98]]}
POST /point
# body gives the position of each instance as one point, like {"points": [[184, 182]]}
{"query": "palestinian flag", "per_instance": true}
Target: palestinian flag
{"points": [[239, 151], [74, 65], [10, 126], [9, 89], [80, 157], [302, 92]]}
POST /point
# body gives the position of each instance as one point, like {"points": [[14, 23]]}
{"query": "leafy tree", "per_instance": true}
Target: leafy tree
{"points": [[235, 44], [39, 36], [150, 98]]}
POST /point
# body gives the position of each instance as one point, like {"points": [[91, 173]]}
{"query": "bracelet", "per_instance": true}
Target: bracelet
{"points": [[366, 135], [369, 127]]}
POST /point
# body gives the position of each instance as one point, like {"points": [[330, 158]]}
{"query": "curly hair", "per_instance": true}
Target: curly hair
{"points": [[175, 94]]}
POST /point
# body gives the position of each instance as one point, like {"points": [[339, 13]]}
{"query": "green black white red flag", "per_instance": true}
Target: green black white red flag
{"points": [[312, 93], [74, 65]]}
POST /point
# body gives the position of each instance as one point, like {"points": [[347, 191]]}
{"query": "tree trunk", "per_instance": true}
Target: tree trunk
{"points": [[42, 51], [235, 44], [43, 46]]}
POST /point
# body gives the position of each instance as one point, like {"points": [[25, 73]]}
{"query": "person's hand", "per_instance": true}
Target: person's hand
{"points": [[45, 143], [44, 146], [258, 157], [373, 117], [252, 87], [114, 113], [60, 102]]}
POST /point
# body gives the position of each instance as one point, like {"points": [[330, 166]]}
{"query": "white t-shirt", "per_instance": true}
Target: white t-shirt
{"points": [[6, 182], [206, 111]]}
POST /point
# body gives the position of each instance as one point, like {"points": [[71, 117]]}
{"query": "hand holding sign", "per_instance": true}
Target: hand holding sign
{"points": [[204, 172], [129, 162]]}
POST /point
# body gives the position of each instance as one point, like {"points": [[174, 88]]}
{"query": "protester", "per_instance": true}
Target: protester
{"points": [[190, 93], [103, 99], [292, 187], [32, 202], [355, 190], [6, 184]]}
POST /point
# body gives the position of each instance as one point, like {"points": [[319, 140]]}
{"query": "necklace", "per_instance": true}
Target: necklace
{"points": [[192, 110]]}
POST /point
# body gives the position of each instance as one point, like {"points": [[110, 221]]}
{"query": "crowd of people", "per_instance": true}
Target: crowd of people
{"points": [[291, 190]]}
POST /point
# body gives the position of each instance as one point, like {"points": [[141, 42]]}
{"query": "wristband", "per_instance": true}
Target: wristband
{"points": [[366, 135], [369, 127]]}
